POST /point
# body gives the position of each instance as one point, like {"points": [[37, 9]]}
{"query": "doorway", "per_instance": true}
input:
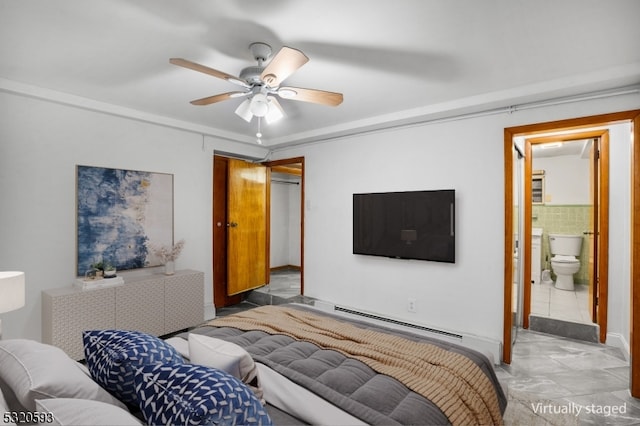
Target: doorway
{"points": [[567, 199], [241, 247], [286, 229], [575, 125]]}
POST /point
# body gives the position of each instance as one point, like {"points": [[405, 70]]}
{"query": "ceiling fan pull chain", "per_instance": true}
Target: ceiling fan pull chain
{"points": [[259, 133]]}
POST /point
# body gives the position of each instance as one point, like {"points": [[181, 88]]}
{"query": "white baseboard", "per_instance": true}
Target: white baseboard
{"points": [[492, 349], [617, 340]]}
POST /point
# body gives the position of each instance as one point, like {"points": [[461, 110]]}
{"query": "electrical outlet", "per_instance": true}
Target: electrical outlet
{"points": [[411, 305]]}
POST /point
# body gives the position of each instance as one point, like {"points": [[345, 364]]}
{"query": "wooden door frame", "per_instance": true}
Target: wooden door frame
{"points": [[285, 162], [219, 234], [602, 225], [633, 117], [220, 297]]}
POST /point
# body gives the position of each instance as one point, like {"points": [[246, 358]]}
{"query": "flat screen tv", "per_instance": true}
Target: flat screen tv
{"points": [[405, 225]]}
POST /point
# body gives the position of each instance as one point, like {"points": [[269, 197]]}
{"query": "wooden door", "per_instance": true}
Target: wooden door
{"points": [[592, 232], [220, 297], [599, 232], [247, 231], [602, 235]]}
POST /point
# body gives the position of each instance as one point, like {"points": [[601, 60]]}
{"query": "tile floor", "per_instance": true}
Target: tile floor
{"points": [[589, 379], [284, 283], [548, 301]]}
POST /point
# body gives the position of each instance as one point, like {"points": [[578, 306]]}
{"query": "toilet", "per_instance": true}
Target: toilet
{"points": [[564, 249]]}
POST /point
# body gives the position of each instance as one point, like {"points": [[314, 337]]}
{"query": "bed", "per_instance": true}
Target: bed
{"points": [[284, 364], [330, 370]]}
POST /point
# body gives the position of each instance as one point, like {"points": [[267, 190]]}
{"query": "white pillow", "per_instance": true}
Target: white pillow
{"points": [[181, 345], [226, 356], [220, 354], [70, 411], [34, 370]]}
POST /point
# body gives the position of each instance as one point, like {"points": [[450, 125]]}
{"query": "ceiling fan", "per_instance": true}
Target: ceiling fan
{"points": [[262, 84]]}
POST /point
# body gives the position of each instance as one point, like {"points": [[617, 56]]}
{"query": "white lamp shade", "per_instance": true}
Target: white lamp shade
{"points": [[244, 110], [275, 111], [260, 105], [12, 291]]}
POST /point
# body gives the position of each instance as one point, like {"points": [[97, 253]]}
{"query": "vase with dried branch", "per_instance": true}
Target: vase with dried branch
{"points": [[168, 255]]}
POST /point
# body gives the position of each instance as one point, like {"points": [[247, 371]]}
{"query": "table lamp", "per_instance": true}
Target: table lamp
{"points": [[12, 292]]}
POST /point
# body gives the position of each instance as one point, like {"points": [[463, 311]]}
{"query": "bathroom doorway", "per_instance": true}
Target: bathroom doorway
{"points": [[567, 199], [518, 252], [626, 227]]}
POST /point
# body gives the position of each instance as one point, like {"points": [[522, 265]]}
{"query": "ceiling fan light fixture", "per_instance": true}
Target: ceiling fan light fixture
{"points": [[275, 112], [259, 105], [244, 110], [262, 83]]}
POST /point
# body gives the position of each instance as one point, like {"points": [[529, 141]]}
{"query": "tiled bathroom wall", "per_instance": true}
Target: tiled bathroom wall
{"points": [[564, 219]]}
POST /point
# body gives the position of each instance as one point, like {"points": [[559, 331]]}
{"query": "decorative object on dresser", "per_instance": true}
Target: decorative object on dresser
{"points": [[12, 292], [152, 303], [102, 269], [168, 255], [102, 274], [92, 283]]}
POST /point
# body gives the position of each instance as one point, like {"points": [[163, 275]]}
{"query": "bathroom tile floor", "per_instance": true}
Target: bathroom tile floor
{"points": [[589, 380], [548, 301]]}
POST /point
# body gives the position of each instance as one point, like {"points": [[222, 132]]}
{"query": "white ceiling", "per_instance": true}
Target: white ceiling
{"points": [[397, 62], [578, 148]]}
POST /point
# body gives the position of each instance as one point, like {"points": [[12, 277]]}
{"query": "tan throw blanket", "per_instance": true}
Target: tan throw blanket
{"points": [[451, 381]]}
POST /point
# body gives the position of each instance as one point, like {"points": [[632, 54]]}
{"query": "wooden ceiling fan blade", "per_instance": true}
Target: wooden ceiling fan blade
{"points": [[286, 62], [311, 95], [218, 98], [206, 70]]}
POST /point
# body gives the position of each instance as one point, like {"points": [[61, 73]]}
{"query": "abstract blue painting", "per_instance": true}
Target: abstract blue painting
{"points": [[120, 214]]}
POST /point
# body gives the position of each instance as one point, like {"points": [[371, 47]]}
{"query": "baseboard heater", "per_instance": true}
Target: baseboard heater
{"points": [[397, 322]]}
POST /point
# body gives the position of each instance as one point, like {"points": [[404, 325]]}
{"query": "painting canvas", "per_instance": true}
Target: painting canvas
{"points": [[121, 216]]}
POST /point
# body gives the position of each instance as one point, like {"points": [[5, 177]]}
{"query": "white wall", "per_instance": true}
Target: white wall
{"points": [[295, 218], [566, 179], [285, 223], [466, 155], [279, 243], [41, 142], [618, 319]]}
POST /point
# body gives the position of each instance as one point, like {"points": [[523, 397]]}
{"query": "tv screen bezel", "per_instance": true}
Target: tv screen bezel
{"points": [[359, 251]]}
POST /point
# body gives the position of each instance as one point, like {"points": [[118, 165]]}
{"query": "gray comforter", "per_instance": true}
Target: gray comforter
{"points": [[348, 383]]}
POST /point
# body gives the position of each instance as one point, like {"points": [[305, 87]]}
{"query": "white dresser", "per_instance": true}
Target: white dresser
{"points": [[157, 304]]}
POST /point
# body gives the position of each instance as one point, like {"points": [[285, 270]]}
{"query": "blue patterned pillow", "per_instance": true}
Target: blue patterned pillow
{"points": [[114, 357], [194, 394]]}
